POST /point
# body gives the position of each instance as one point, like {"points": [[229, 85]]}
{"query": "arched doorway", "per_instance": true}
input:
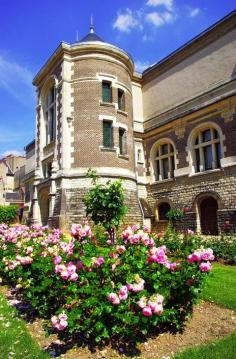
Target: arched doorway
{"points": [[163, 209], [208, 216]]}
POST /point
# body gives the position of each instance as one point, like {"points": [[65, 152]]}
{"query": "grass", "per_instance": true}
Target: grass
{"points": [[221, 286], [15, 341], [220, 289], [221, 349]]}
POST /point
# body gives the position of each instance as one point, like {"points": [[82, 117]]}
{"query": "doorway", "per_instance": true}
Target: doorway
{"points": [[208, 216]]}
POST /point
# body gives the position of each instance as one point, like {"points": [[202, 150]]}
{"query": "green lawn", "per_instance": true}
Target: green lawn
{"points": [[221, 286], [220, 289], [15, 341], [221, 349]]}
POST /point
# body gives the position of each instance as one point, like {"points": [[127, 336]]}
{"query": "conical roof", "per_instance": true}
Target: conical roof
{"points": [[91, 36]]}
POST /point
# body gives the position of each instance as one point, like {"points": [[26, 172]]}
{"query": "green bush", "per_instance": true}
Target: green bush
{"points": [[8, 213], [224, 247], [102, 291], [175, 214]]}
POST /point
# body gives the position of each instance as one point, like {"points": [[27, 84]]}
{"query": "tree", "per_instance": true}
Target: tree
{"points": [[105, 204]]}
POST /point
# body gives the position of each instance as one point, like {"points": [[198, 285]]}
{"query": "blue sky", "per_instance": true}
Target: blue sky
{"points": [[31, 30]]}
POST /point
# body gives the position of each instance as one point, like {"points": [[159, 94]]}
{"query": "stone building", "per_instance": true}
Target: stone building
{"points": [[11, 180], [169, 133]]}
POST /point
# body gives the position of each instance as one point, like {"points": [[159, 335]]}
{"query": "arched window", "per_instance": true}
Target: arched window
{"points": [[164, 161], [50, 115], [163, 209], [206, 149]]}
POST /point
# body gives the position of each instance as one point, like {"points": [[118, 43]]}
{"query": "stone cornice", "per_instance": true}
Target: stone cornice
{"points": [[67, 51]]}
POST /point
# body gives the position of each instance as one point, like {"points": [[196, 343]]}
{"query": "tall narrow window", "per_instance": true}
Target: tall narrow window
{"points": [[121, 100], [206, 150], [107, 134], [122, 141], [50, 115], [106, 91], [164, 165]]}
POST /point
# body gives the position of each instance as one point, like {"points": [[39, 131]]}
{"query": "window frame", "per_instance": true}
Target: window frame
{"points": [[160, 158], [122, 141], [104, 99], [50, 115], [105, 121], [121, 99], [200, 149]]}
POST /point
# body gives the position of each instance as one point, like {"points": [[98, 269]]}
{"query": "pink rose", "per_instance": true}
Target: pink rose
{"points": [[57, 260], [158, 309], [54, 320], [147, 311], [65, 274], [61, 325], [205, 267], [74, 277]]}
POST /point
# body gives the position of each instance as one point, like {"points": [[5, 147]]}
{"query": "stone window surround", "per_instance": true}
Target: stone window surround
{"points": [[114, 84], [115, 124], [153, 158], [191, 147]]}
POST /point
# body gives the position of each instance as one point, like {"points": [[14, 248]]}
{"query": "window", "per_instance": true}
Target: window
{"points": [[122, 141], [121, 100], [50, 116], [139, 155], [164, 162], [106, 91], [47, 170], [107, 134], [163, 209], [206, 152]]}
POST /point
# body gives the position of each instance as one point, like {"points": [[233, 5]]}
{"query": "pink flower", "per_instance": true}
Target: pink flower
{"points": [[158, 309], [123, 296], [147, 311], [205, 266], [61, 325], [74, 277], [113, 298], [65, 274], [57, 260], [123, 290], [120, 249], [29, 250], [54, 320], [62, 316]]}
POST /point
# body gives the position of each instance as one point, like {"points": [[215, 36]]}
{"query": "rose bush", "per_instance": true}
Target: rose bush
{"points": [[85, 287]]}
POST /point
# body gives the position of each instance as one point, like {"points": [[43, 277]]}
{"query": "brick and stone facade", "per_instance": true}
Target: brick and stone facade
{"points": [[175, 103]]}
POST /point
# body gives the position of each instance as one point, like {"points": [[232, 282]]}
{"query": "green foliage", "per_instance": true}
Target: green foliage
{"points": [[224, 247], [15, 341], [219, 349], [105, 204], [8, 213], [85, 301], [175, 214], [221, 286]]}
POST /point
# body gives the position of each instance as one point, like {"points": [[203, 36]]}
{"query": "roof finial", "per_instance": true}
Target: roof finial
{"points": [[91, 25]]}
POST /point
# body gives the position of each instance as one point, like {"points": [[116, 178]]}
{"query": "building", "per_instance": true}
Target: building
{"points": [[11, 180], [169, 133]]}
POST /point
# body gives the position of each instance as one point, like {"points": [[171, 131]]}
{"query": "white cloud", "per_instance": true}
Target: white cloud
{"points": [[168, 4], [126, 21], [141, 66], [159, 19], [16, 80], [194, 12], [12, 152]]}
